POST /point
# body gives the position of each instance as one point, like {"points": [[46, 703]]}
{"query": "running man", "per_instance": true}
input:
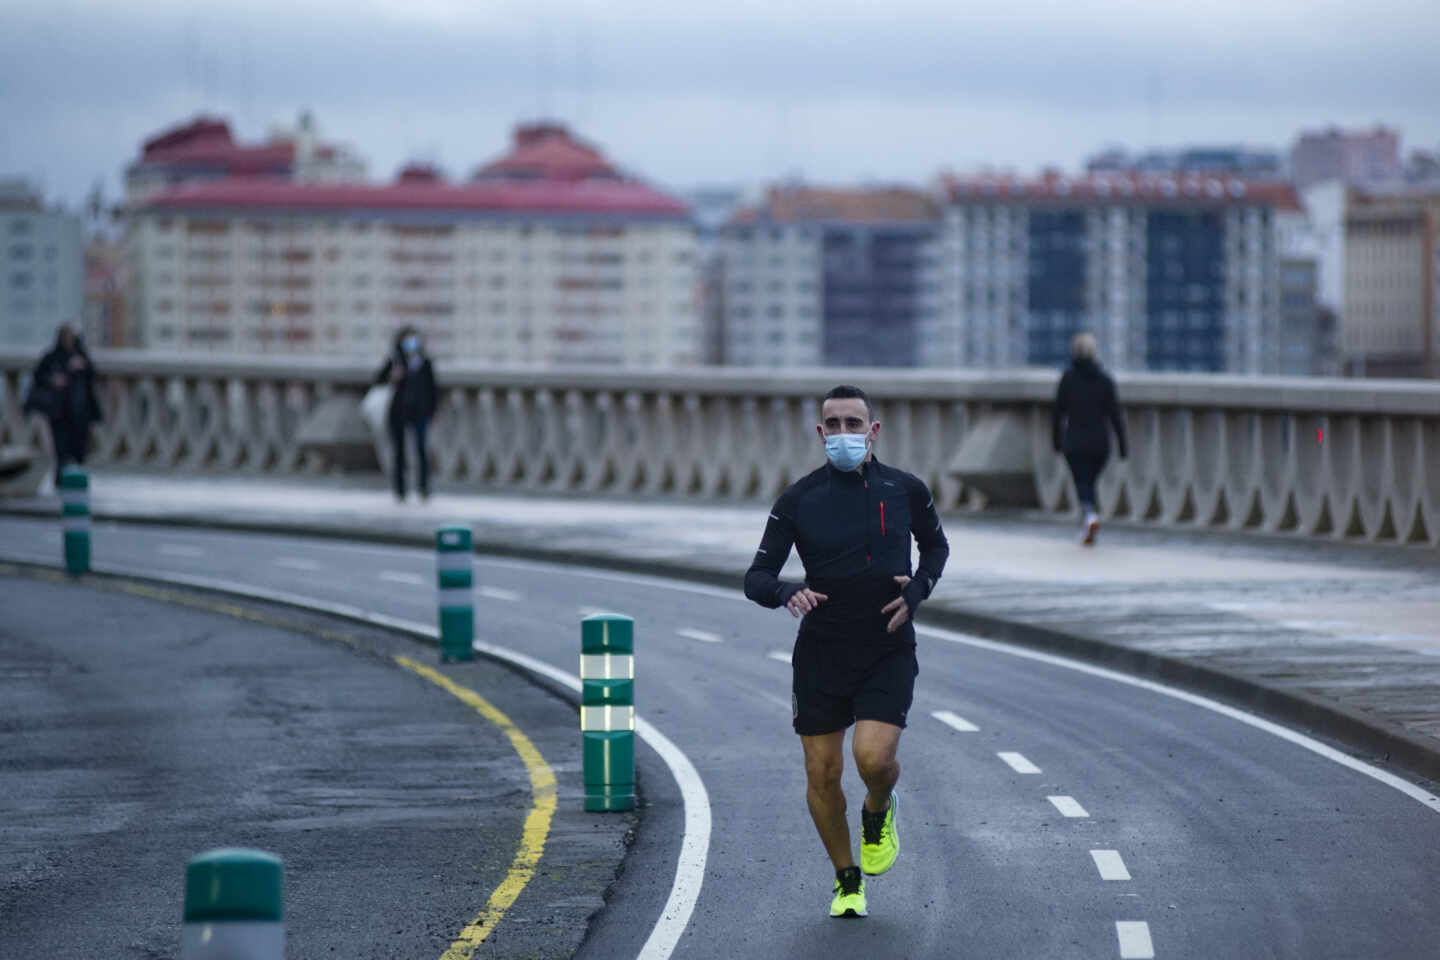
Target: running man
{"points": [[854, 659]]}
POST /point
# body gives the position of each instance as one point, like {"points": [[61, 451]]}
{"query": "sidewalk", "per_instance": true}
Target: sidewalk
{"points": [[1342, 639]]}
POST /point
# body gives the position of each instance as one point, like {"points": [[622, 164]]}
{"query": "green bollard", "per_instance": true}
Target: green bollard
{"points": [[453, 549], [607, 710], [75, 518], [234, 906]]}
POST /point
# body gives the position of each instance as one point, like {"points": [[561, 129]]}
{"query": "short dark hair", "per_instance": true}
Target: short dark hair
{"points": [[848, 391]]}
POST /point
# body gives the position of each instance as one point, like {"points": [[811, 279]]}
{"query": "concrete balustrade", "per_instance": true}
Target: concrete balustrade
{"points": [[1325, 458]]}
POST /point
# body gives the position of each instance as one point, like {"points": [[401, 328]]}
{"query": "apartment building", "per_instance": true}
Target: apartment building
{"points": [[42, 273], [547, 255], [1391, 321], [816, 276], [1169, 272], [1350, 156]]}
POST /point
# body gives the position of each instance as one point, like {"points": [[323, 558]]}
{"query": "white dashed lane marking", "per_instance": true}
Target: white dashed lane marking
{"points": [[700, 635], [780, 655], [498, 593], [297, 563], [399, 576], [1068, 807], [1017, 762], [1134, 936], [955, 722], [1110, 864], [180, 550]]}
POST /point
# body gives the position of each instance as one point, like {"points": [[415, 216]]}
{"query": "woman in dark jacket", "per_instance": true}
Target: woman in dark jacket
{"points": [[412, 402], [1085, 405], [63, 389]]}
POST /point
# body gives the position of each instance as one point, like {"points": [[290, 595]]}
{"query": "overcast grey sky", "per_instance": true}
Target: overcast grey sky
{"points": [[688, 93]]}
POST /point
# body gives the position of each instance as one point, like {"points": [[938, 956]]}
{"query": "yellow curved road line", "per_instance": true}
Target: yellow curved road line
{"points": [[537, 821]]}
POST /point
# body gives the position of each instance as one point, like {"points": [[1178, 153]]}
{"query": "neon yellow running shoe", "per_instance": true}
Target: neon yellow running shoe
{"points": [[849, 894], [879, 839]]}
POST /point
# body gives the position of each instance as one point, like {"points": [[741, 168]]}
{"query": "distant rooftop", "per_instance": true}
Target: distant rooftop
{"points": [[548, 151], [1121, 188], [547, 172], [786, 204], [206, 143]]}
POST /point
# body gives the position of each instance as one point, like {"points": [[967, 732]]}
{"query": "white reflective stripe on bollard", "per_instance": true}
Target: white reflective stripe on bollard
{"points": [[607, 666], [452, 560], [75, 498], [237, 940], [76, 523], [451, 597], [607, 718]]}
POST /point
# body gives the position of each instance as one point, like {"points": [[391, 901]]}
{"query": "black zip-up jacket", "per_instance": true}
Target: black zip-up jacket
{"points": [[1085, 403], [852, 529]]}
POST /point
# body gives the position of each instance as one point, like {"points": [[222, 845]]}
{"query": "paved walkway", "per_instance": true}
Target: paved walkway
{"points": [[1352, 630]]}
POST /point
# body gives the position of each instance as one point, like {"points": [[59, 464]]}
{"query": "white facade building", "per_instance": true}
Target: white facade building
{"points": [[533, 261], [1169, 273], [42, 269]]}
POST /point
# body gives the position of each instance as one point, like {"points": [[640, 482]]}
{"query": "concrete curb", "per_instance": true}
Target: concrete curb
{"points": [[1378, 740]]}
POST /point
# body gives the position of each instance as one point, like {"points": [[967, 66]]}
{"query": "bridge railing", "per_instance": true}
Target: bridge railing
{"points": [[1328, 458]]}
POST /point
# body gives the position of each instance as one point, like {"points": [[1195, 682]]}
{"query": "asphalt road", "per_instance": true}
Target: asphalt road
{"points": [[1223, 840]]}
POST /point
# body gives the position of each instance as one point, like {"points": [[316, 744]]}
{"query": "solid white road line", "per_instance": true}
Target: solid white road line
{"points": [[1426, 797], [180, 550], [694, 843], [400, 576], [498, 593], [1068, 807], [297, 563], [780, 655], [1017, 762], [700, 635], [1134, 936], [957, 722], [1110, 865]]}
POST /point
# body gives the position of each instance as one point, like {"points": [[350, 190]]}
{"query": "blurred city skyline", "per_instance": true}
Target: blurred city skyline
{"points": [[740, 95]]}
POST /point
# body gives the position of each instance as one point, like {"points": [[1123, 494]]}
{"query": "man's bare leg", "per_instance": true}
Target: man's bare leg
{"points": [[824, 764], [875, 747]]}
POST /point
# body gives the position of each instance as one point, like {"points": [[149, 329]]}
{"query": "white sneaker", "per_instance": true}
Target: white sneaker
{"points": [[1089, 529]]}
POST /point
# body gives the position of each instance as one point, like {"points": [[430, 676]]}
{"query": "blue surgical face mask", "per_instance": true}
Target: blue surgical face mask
{"points": [[410, 344], [846, 450]]}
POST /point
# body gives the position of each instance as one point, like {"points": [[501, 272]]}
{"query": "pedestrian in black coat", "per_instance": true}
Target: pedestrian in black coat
{"points": [[412, 403], [1086, 408], [63, 389]]}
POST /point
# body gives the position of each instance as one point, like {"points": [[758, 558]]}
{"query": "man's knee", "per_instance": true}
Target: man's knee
{"points": [[875, 762], [823, 771]]}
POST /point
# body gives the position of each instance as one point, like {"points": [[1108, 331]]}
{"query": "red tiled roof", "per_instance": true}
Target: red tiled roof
{"points": [[206, 142], [798, 204], [597, 197], [548, 152], [1150, 189]]}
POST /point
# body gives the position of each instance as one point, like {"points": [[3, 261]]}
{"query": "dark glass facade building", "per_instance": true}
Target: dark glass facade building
{"points": [[1185, 291], [1056, 282], [874, 280]]}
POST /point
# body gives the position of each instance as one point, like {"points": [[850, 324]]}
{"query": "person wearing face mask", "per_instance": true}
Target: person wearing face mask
{"points": [[412, 403], [63, 389], [854, 662]]}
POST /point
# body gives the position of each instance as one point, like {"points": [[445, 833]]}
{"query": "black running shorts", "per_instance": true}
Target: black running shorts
{"points": [[837, 681]]}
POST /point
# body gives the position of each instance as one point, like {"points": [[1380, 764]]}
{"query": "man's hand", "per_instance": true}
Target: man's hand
{"points": [[58, 381], [899, 606], [804, 601], [396, 373], [77, 362]]}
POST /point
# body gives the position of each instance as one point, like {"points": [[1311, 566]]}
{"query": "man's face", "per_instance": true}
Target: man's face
{"points": [[845, 415]]}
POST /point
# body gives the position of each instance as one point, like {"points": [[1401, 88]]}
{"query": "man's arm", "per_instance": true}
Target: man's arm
{"points": [[934, 548], [762, 580]]}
